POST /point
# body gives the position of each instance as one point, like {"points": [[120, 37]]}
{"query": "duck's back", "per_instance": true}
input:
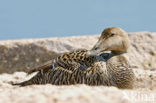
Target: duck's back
{"points": [[69, 68]]}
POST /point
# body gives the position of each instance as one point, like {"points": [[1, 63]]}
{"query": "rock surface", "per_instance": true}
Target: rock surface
{"points": [[22, 55]]}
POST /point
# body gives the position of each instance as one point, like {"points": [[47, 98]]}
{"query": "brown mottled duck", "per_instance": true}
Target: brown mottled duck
{"points": [[91, 67]]}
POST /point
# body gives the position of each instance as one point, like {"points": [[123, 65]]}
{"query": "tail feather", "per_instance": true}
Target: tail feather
{"points": [[22, 84], [34, 80]]}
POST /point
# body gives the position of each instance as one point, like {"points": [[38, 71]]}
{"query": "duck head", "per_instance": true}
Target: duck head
{"points": [[112, 39]]}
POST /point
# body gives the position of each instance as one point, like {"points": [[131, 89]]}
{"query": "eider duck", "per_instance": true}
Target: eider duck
{"points": [[91, 67]]}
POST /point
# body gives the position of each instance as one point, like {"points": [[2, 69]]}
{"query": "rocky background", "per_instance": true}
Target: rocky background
{"points": [[19, 56]]}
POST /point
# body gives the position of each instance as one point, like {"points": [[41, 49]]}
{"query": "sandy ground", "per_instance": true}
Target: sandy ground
{"points": [[22, 55]]}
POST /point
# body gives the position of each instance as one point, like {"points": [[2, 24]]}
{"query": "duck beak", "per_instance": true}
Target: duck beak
{"points": [[95, 50]]}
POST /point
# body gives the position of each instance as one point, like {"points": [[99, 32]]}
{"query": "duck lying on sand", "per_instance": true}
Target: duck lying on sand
{"points": [[92, 67]]}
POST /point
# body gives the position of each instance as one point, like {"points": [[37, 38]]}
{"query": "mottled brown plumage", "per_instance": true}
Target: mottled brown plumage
{"points": [[92, 67]]}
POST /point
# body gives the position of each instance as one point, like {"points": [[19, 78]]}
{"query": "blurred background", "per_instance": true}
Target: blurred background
{"points": [[21, 19]]}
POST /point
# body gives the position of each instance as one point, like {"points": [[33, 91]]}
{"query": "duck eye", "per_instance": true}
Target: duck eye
{"points": [[112, 34]]}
